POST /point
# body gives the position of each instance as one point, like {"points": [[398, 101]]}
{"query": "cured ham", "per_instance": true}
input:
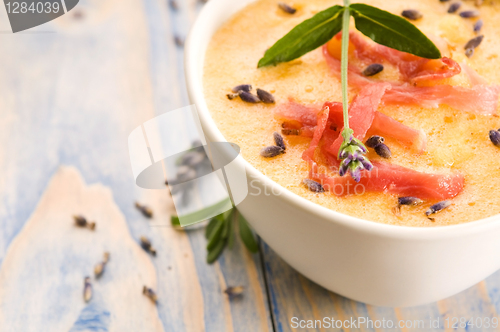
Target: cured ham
{"points": [[411, 67], [303, 117], [361, 112], [479, 99], [393, 179]]}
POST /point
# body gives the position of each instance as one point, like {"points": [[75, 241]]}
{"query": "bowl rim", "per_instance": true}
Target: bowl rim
{"points": [[194, 49]]}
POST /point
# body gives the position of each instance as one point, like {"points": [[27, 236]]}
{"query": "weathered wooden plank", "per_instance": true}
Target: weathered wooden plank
{"points": [[292, 295], [72, 97]]}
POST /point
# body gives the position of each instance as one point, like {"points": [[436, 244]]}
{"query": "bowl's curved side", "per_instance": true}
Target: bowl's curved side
{"points": [[366, 261]]}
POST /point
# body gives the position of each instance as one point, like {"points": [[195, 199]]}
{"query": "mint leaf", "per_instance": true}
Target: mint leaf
{"points": [[305, 37], [247, 235], [215, 251], [393, 31], [215, 235]]}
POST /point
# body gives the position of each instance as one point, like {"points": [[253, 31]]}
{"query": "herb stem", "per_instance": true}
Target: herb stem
{"points": [[343, 64]]}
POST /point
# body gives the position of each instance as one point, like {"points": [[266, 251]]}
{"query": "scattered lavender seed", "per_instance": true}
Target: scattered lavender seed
{"points": [[231, 96], [173, 5], [495, 137], [383, 151], [248, 97], [145, 210], [265, 96], [99, 268], [294, 132], [469, 14], [179, 42], [313, 186], [87, 289], [437, 207], [469, 52], [474, 42], [454, 7], [409, 200], [81, 221], [278, 140], [286, 8], [150, 294], [271, 151], [242, 87], [373, 141], [234, 291], [478, 25], [146, 245], [373, 69], [412, 14]]}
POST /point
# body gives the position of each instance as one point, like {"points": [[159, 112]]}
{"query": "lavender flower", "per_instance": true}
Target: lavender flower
{"points": [[351, 154]]}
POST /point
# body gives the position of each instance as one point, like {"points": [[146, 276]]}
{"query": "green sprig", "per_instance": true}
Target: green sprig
{"points": [[220, 233]]}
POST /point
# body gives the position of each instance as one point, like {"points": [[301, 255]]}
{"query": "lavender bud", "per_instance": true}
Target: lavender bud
{"points": [[409, 200], [271, 151], [360, 145], [495, 137], [234, 291], [478, 26], [474, 42], [87, 289], [343, 169], [437, 207], [265, 96], [373, 141], [145, 210], [278, 139], [150, 294], [373, 69], [313, 186], [355, 173], [146, 245], [232, 96], [242, 87], [469, 14], [365, 162], [469, 52], [454, 7], [248, 97], [412, 14], [383, 151], [286, 8]]}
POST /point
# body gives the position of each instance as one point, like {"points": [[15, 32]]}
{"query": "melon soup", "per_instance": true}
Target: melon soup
{"points": [[443, 138]]}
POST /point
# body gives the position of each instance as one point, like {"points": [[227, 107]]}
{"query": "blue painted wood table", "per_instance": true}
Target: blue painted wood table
{"points": [[71, 91]]}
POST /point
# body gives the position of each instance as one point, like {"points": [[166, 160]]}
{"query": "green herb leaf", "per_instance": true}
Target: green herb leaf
{"points": [[231, 237], [215, 235], [247, 235], [174, 220], [393, 31], [210, 227], [215, 252], [305, 37], [228, 220]]}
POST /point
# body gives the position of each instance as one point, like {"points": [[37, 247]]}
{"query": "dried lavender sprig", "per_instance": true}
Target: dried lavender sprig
{"points": [[352, 155], [351, 150]]}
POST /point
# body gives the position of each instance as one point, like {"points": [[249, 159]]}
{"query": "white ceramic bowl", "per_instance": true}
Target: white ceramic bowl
{"points": [[362, 260]]}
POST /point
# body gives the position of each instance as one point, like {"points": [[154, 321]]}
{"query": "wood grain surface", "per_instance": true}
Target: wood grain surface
{"points": [[71, 91]]}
